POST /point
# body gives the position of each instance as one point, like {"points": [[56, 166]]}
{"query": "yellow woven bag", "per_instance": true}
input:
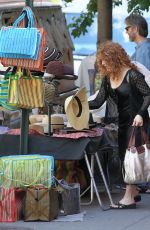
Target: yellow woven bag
{"points": [[26, 91], [26, 171]]}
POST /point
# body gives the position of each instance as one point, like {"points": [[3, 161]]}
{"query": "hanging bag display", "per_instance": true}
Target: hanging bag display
{"points": [[137, 160], [28, 46], [26, 91]]}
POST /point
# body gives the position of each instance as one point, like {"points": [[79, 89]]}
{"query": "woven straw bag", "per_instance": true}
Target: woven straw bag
{"points": [[50, 90]]}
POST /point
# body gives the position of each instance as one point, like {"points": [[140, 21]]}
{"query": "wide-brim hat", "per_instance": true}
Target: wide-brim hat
{"points": [[58, 68], [77, 110]]}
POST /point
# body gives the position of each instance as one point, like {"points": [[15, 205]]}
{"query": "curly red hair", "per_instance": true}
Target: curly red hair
{"points": [[115, 58]]}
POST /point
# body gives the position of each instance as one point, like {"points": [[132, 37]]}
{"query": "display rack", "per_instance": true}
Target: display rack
{"points": [[25, 115]]}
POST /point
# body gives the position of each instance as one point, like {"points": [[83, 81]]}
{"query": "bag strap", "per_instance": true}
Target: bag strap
{"points": [[144, 136], [132, 137], [26, 12]]}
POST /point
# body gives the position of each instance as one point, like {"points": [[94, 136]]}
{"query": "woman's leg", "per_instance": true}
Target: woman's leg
{"points": [[123, 139], [130, 193]]}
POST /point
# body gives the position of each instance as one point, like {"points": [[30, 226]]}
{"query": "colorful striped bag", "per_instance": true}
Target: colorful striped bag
{"points": [[11, 204], [26, 91], [4, 89], [26, 170]]}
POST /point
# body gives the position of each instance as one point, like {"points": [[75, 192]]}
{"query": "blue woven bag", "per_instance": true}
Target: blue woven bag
{"points": [[16, 42]]}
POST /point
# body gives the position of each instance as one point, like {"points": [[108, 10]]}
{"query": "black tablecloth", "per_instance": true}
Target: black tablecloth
{"points": [[60, 148]]}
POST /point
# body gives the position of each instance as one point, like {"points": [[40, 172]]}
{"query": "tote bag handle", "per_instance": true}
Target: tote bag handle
{"points": [[31, 19], [132, 137]]}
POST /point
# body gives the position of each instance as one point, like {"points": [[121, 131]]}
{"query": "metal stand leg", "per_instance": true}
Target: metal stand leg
{"points": [[103, 177], [93, 186], [93, 182]]}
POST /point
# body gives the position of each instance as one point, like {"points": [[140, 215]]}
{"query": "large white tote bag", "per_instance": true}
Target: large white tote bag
{"points": [[137, 160]]}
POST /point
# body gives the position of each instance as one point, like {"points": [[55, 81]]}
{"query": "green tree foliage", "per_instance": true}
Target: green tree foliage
{"points": [[80, 24], [138, 5]]}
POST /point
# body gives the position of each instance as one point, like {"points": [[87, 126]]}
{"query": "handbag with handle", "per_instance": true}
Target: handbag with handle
{"points": [[26, 170], [41, 204], [17, 42], [26, 91], [4, 89], [28, 53], [137, 160]]}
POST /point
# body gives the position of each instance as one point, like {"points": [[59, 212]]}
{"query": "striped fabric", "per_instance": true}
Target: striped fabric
{"points": [[26, 92], [28, 170], [3, 90], [29, 63], [7, 205], [11, 204]]}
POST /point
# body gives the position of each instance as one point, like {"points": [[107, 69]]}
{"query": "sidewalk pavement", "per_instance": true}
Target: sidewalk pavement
{"points": [[96, 219]]}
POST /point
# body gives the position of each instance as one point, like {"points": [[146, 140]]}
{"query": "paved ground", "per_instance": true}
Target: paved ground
{"points": [[96, 219]]}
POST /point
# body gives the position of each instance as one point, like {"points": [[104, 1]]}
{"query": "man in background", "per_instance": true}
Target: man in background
{"points": [[137, 30]]}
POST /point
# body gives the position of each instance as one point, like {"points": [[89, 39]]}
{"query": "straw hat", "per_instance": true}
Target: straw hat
{"points": [[77, 110]]}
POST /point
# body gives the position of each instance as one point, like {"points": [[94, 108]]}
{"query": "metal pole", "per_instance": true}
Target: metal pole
{"points": [[25, 116]]}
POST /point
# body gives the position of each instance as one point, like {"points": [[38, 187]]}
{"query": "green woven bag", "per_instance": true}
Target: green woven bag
{"points": [[4, 89]]}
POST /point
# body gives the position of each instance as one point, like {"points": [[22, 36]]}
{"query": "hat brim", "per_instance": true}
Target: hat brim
{"points": [[78, 119]]}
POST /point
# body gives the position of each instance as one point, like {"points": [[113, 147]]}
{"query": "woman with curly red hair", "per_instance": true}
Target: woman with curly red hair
{"points": [[130, 96]]}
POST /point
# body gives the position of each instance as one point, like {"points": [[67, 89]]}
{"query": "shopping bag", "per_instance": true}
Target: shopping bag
{"points": [[35, 62], [41, 204], [26, 170], [137, 160], [4, 89], [26, 91], [11, 204], [26, 41], [29, 63], [69, 197]]}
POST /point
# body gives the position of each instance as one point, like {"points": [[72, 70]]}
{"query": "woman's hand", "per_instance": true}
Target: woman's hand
{"points": [[138, 121]]}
